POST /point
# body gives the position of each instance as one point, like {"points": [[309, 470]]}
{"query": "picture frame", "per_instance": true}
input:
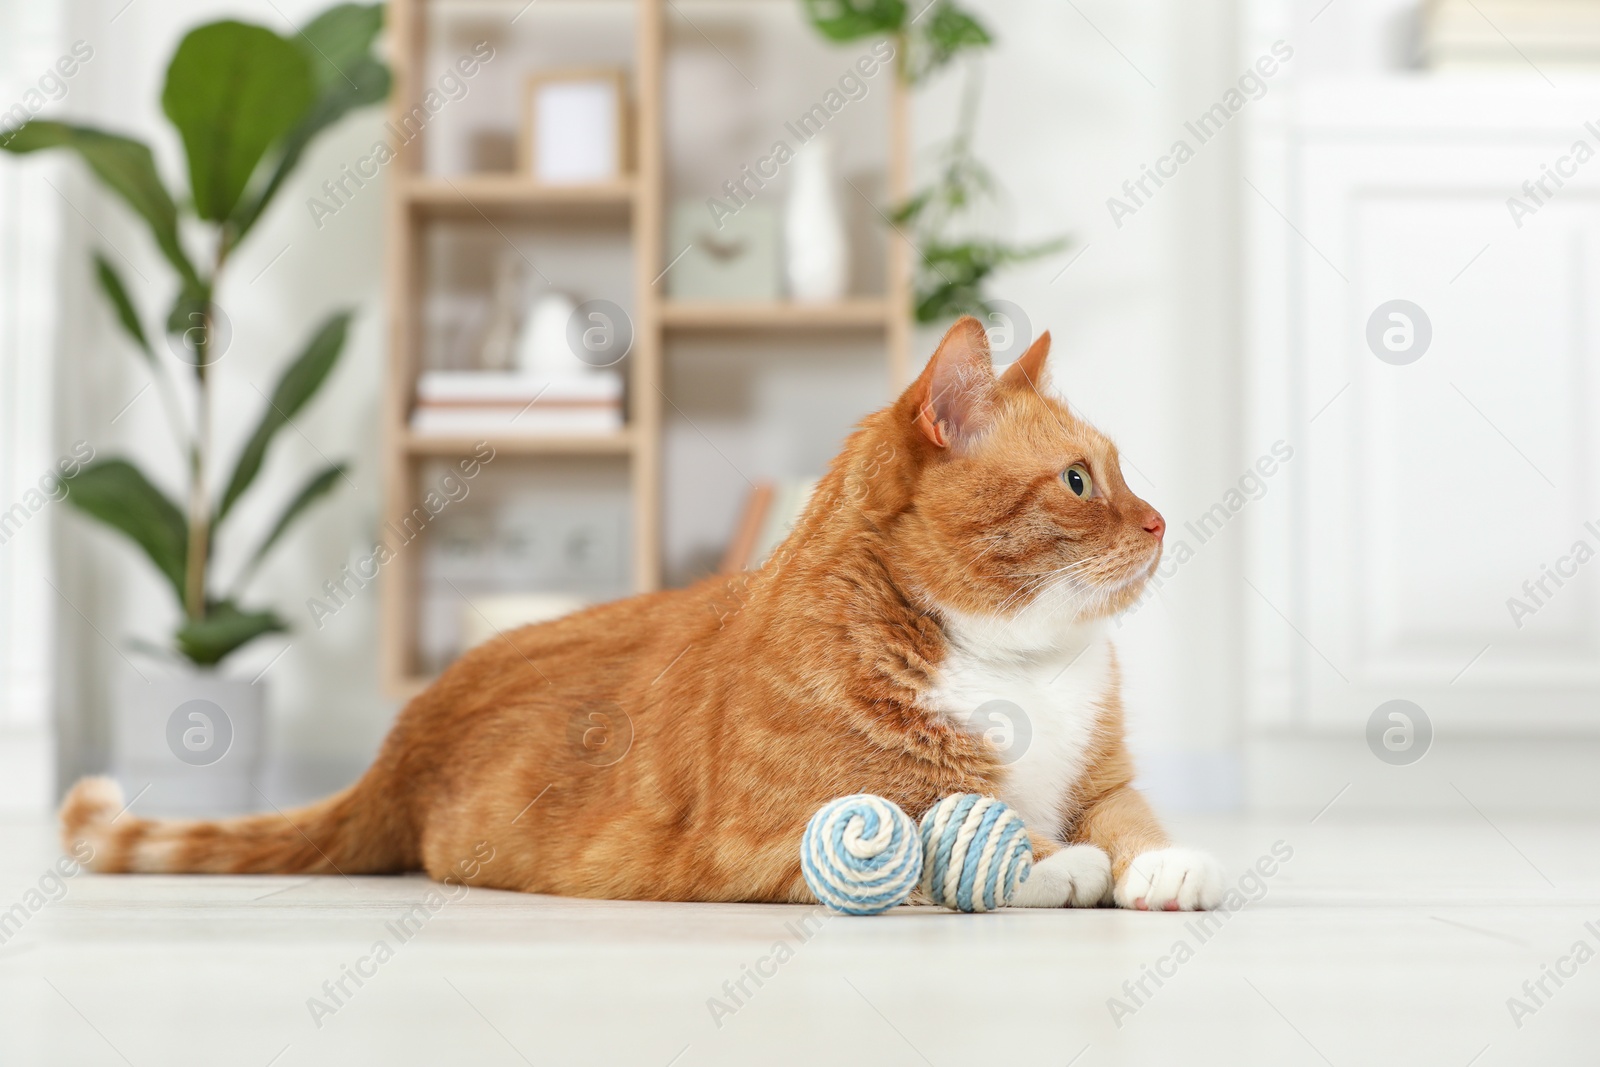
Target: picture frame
{"points": [[574, 128]]}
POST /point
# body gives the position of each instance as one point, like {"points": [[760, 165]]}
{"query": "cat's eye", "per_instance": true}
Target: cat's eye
{"points": [[1078, 480]]}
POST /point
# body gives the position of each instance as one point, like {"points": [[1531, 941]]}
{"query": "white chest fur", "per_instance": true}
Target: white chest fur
{"points": [[1034, 687]]}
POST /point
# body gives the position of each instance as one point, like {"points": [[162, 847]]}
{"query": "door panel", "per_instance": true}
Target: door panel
{"points": [[1432, 491]]}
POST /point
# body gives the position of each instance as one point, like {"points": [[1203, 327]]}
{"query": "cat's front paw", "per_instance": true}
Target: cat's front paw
{"points": [[1078, 876], [1170, 879]]}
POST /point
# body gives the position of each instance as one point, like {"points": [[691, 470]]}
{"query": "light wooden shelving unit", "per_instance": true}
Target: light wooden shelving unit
{"points": [[512, 196], [636, 201], [857, 314]]}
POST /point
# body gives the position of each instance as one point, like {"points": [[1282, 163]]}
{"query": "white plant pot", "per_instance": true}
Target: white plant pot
{"points": [[194, 740]]}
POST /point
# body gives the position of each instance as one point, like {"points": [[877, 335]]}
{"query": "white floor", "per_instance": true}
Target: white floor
{"points": [[1378, 942]]}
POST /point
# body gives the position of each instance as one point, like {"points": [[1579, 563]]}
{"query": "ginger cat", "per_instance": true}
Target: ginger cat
{"points": [[968, 544]]}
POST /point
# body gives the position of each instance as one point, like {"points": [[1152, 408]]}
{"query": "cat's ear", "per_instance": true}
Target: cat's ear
{"points": [[955, 392], [1029, 371]]}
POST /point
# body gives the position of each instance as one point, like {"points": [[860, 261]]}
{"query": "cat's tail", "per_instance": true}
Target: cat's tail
{"points": [[356, 831]]}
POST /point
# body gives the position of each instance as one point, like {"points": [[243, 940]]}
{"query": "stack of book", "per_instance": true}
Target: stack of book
{"points": [[456, 403], [1510, 33]]}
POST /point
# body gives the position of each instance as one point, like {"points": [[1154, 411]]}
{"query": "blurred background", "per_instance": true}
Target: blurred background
{"points": [[1320, 269]]}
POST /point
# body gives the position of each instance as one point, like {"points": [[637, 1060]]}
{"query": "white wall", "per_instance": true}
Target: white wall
{"points": [[1144, 324], [31, 43], [1076, 99]]}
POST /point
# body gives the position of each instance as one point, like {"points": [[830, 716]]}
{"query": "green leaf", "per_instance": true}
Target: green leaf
{"points": [[912, 209], [118, 494], [186, 321], [337, 44], [952, 29], [117, 293], [961, 183], [317, 487], [125, 166], [846, 20], [224, 629], [188, 308], [947, 31], [950, 277], [297, 386], [339, 38], [232, 91]]}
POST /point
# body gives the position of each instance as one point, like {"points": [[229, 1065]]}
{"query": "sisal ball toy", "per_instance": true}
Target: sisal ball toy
{"points": [[975, 853], [861, 855]]}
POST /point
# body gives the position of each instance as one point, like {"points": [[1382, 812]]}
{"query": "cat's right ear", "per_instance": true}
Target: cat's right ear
{"points": [[955, 392]]}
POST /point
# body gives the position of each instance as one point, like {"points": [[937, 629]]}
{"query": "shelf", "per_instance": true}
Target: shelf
{"points": [[860, 314], [478, 195], [581, 228], [615, 444]]}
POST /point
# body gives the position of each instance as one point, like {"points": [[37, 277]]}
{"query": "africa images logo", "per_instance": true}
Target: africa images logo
{"points": [[199, 732]]}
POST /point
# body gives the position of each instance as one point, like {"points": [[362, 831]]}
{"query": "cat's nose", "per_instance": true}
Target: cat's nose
{"points": [[1155, 524]]}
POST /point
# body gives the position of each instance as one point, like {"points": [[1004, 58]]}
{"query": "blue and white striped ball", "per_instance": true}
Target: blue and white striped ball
{"points": [[861, 855], [975, 852]]}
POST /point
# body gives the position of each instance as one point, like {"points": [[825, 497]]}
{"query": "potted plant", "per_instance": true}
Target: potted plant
{"points": [[955, 262], [246, 103]]}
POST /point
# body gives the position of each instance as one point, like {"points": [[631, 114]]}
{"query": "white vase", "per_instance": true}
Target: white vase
{"points": [[542, 348], [816, 260], [194, 739]]}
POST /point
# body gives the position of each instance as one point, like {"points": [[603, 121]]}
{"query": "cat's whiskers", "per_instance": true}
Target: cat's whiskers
{"points": [[1025, 589], [1044, 585], [1097, 592], [1030, 589]]}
